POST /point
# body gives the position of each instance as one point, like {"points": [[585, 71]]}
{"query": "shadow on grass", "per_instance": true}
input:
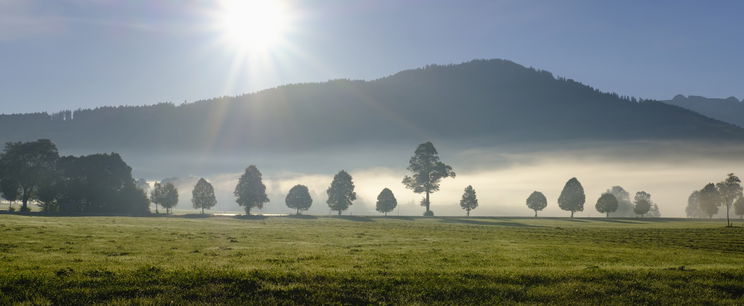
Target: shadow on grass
{"points": [[617, 221], [195, 216], [479, 222], [398, 218], [250, 217], [306, 217], [354, 218]]}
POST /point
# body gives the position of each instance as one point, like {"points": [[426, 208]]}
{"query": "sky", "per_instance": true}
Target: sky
{"points": [[70, 54]]}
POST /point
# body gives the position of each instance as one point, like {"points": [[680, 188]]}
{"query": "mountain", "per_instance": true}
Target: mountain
{"points": [[491, 101], [729, 110]]}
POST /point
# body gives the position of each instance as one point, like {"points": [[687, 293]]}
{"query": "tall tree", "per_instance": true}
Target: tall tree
{"points": [[537, 201], [202, 197], [29, 164], [693, 206], [156, 195], [469, 201], [427, 172], [710, 200], [9, 188], [299, 198], [739, 207], [642, 202], [251, 191], [606, 204], [572, 197], [730, 190], [386, 201], [341, 192], [169, 197]]}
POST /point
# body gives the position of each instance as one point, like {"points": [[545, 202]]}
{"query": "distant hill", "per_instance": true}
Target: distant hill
{"points": [[729, 110], [492, 101]]}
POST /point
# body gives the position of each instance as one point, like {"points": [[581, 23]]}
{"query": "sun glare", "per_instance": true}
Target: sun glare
{"points": [[253, 25]]}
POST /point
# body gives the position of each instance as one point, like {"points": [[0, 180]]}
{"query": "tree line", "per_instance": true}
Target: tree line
{"points": [[103, 184]]}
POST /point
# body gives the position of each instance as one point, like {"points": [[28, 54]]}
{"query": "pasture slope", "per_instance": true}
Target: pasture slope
{"points": [[368, 260]]}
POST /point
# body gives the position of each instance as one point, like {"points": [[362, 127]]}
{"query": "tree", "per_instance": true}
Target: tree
{"points": [[710, 200], [299, 198], [341, 192], [606, 204], [156, 195], [28, 164], [739, 207], [572, 197], [624, 204], [202, 197], [537, 201], [143, 185], [10, 191], [386, 201], [693, 206], [427, 171], [642, 202], [469, 201], [165, 194], [250, 191], [729, 190]]}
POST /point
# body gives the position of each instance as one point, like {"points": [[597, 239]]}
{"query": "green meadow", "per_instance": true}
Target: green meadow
{"points": [[368, 260]]}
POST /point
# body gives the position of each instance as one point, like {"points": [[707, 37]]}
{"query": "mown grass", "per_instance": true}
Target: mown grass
{"points": [[362, 260]]}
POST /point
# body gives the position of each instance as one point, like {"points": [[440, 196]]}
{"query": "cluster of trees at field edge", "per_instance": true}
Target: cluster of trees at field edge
{"points": [[103, 184]]}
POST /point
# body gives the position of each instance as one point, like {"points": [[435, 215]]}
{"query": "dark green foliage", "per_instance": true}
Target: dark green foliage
{"points": [[469, 201], [9, 189], [642, 203], [710, 200], [299, 198], [341, 192], [29, 164], [606, 204], [572, 197], [427, 171], [537, 201], [693, 206], [202, 197], [165, 194], [386, 201], [251, 191], [729, 189]]}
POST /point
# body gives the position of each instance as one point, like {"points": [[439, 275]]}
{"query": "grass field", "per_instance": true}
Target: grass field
{"points": [[309, 260]]}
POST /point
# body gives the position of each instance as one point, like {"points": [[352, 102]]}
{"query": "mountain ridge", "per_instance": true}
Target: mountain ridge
{"points": [[496, 100]]}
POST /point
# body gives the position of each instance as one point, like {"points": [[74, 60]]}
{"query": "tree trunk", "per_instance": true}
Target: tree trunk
{"points": [[535, 213], [202, 210], [608, 215], [298, 211], [156, 209], [728, 222], [468, 212], [247, 210], [339, 212], [572, 213], [24, 199], [427, 200]]}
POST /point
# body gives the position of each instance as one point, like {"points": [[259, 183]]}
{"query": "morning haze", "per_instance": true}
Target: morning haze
{"points": [[370, 152]]}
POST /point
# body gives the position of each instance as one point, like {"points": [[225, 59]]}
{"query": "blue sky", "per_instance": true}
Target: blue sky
{"points": [[69, 54]]}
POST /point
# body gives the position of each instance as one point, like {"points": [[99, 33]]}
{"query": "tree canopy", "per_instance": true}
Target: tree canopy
{"points": [[251, 191], [606, 204], [729, 189], [29, 165], [693, 206], [572, 197], [537, 201], [299, 198], [202, 197], [709, 200], [469, 201], [165, 194], [341, 192], [426, 172], [642, 202], [386, 201]]}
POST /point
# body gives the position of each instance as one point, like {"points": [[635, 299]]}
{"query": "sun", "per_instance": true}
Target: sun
{"points": [[253, 25]]}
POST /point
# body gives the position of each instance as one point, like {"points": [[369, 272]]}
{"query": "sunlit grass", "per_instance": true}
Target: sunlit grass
{"points": [[361, 259]]}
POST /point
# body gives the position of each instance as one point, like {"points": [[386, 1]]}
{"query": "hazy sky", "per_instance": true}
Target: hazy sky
{"points": [[67, 54]]}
